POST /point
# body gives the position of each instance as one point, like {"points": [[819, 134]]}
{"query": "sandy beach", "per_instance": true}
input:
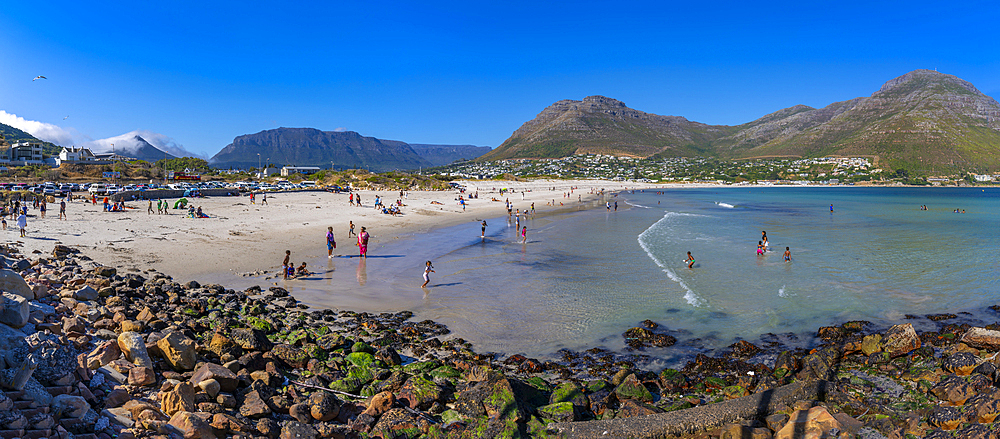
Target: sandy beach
{"points": [[242, 237]]}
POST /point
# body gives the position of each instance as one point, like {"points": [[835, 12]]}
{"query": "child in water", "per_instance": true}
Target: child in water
{"points": [[760, 248], [301, 271], [690, 260], [428, 269], [788, 255]]}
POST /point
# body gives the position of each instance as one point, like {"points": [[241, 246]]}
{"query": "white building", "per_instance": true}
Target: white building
{"points": [[29, 153], [305, 170]]}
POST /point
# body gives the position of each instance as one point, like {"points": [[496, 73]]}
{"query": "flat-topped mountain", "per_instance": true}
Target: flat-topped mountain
{"points": [[924, 120], [341, 149]]}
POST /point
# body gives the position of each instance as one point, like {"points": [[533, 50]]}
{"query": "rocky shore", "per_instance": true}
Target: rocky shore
{"points": [[88, 351]]}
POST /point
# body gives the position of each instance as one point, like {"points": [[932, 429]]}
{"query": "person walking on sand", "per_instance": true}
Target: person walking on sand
{"points": [[149, 209], [285, 262], [363, 243], [22, 223], [788, 255], [263, 199], [351, 232], [428, 269], [62, 209], [484, 230], [690, 260], [331, 244], [41, 208]]}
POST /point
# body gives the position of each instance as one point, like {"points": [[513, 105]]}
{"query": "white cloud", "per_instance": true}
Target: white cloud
{"points": [[128, 142], [339, 130], [44, 131]]}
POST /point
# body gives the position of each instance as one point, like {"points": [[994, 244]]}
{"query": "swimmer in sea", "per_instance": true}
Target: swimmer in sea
{"points": [[690, 260], [760, 248], [788, 255]]}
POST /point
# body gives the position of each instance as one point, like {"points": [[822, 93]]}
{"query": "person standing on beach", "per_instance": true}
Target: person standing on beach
{"points": [[350, 199], [690, 260], [788, 255], [428, 269], [22, 223], [484, 230], [149, 209], [363, 243], [285, 262], [331, 244], [263, 199], [41, 208], [62, 210], [524, 235]]}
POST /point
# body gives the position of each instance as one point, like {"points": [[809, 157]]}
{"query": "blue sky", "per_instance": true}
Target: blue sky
{"points": [[200, 73]]}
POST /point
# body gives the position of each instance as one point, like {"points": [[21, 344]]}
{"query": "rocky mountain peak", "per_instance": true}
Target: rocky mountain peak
{"points": [[923, 78], [604, 101]]}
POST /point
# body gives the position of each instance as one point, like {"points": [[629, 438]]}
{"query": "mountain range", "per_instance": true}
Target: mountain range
{"points": [[340, 149], [925, 121]]}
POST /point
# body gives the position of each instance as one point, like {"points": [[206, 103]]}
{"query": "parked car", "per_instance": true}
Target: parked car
{"points": [[98, 189]]}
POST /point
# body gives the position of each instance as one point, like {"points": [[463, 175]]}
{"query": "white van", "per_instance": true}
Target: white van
{"points": [[308, 183], [98, 189]]}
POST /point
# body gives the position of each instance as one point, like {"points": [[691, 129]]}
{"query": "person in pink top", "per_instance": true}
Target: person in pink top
{"points": [[363, 243]]}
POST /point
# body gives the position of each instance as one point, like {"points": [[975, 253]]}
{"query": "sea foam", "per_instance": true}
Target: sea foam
{"points": [[690, 296]]}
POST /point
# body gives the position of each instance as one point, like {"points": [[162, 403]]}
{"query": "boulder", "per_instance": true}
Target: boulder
{"points": [[210, 387], [178, 350], [141, 376], [298, 430], [192, 425], [250, 339], [14, 310], [134, 348], [87, 293], [631, 388], [13, 283], [324, 406], [946, 418], [226, 378], [380, 403], [982, 338], [301, 412], [871, 344], [559, 412], [292, 356], [179, 399], [817, 423], [960, 363], [104, 353], [70, 406], [105, 271], [900, 340], [254, 405], [419, 393]]}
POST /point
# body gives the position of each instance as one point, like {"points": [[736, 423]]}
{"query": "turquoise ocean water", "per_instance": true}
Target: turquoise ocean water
{"points": [[586, 276]]}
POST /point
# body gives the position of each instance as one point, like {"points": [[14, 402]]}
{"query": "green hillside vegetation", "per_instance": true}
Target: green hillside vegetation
{"points": [[924, 122], [13, 135]]}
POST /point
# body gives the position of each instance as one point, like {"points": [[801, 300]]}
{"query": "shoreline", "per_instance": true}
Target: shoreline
{"points": [[338, 374]]}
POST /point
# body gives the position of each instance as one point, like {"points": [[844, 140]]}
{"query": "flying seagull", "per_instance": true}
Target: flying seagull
{"points": [[39, 77], [67, 117]]}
